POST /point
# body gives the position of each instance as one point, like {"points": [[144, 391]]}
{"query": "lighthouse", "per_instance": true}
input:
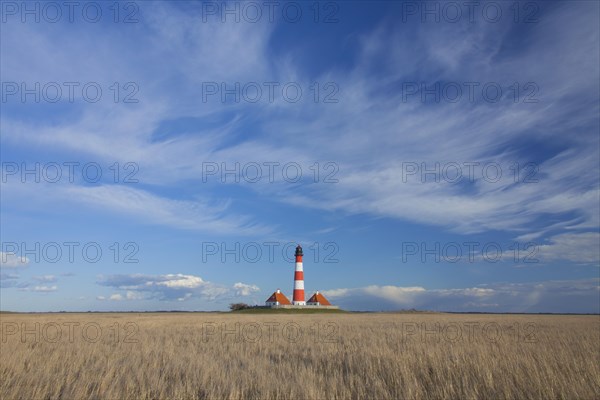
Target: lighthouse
{"points": [[298, 299], [278, 299]]}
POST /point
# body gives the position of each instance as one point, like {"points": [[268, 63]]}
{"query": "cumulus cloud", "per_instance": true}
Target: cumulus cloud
{"points": [[44, 289], [548, 296], [129, 295], [171, 287], [242, 289], [10, 260]]}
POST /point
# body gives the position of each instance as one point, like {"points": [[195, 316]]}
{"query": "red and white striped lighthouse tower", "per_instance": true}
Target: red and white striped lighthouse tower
{"points": [[298, 299]]}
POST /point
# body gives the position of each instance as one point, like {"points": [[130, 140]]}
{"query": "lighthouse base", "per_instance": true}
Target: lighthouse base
{"points": [[307, 306]]}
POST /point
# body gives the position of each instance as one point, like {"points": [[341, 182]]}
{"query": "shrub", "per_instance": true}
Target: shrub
{"points": [[238, 306]]}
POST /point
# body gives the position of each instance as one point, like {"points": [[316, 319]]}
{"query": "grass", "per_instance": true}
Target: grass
{"points": [[292, 356]]}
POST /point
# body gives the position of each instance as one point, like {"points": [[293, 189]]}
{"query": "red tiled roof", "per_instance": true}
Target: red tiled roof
{"points": [[280, 297], [319, 298]]}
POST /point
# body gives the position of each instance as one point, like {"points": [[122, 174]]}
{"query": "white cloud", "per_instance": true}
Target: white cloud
{"points": [[242, 289], [9, 260], [10, 280], [172, 287], [548, 296], [45, 278], [182, 281], [370, 118], [196, 214], [44, 289], [575, 247], [187, 296], [129, 295], [116, 132], [133, 295]]}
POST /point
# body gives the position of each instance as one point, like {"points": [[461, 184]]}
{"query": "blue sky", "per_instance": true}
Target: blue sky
{"points": [[416, 127]]}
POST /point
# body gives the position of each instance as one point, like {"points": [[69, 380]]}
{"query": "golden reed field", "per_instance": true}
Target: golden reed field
{"points": [[294, 356]]}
